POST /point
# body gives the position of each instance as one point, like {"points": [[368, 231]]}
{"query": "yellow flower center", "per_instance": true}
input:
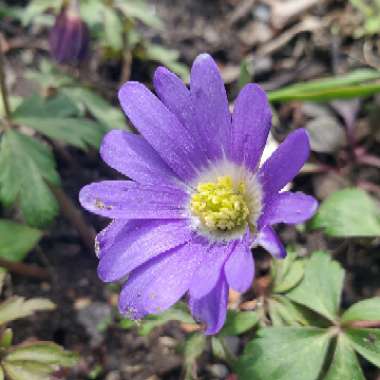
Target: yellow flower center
{"points": [[220, 205]]}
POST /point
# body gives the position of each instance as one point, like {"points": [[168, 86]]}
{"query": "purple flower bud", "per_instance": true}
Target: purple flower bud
{"points": [[69, 37]]}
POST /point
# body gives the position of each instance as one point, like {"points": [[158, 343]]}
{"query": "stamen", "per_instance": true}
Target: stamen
{"points": [[220, 205]]}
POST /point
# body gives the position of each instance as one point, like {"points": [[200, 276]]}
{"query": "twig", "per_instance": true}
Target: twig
{"points": [[75, 217], [25, 269], [243, 8]]}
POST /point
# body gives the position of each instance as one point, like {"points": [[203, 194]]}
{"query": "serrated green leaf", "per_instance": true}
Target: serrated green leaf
{"points": [[41, 352], [367, 343], [49, 76], [78, 132], [348, 213], [284, 353], [321, 287], [16, 240], [56, 118], [25, 165], [36, 360], [345, 364], [17, 307], [287, 273], [106, 114], [140, 11], [284, 313], [366, 310], [168, 57], [37, 106], [238, 322]]}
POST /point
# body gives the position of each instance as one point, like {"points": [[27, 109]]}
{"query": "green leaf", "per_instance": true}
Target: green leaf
{"points": [[78, 132], [366, 342], [25, 165], [168, 57], [195, 344], [36, 106], [113, 29], [49, 76], [284, 313], [106, 114], [27, 371], [36, 8], [345, 364], [140, 11], [284, 353], [36, 361], [6, 338], [321, 288], [41, 352], [366, 310], [287, 273], [179, 312], [341, 87], [348, 213], [16, 240], [14, 102], [17, 307], [238, 322]]}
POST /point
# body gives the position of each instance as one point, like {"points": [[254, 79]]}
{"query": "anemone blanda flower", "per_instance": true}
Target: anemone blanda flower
{"points": [[197, 201]]}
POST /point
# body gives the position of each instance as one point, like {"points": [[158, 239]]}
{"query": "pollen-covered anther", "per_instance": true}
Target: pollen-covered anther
{"points": [[220, 205]]}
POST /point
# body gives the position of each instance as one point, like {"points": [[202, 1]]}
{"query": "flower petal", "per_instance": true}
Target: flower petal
{"points": [[212, 308], [251, 122], [132, 156], [141, 241], [105, 238], [211, 111], [175, 95], [239, 268], [161, 128], [158, 284], [130, 200], [270, 241], [290, 208], [208, 273], [285, 162]]}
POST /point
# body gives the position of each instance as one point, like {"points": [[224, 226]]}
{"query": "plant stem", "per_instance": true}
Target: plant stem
{"points": [[75, 217], [364, 324], [25, 269], [3, 85]]}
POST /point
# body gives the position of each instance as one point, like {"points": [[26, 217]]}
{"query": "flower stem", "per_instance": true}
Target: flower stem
{"points": [[3, 85], [363, 324], [75, 217]]}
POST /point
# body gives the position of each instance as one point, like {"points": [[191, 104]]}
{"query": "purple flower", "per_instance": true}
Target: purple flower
{"points": [[69, 37], [198, 200]]}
